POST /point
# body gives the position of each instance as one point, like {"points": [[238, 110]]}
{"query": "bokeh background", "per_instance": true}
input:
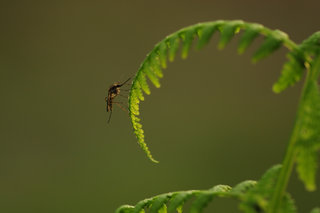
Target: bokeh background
{"points": [[214, 121]]}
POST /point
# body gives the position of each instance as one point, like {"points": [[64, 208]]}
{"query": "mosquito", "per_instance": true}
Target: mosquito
{"points": [[113, 92]]}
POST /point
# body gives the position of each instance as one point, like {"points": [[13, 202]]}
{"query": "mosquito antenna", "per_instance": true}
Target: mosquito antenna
{"points": [[124, 82], [110, 116]]}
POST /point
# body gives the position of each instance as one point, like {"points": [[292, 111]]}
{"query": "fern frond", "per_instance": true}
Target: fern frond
{"points": [[162, 52], [167, 49], [141, 205], [159, 202], [291, 73], [254, 197], [228, 31], [258, 197], [187, 36], [204, 197], [298, 60], [305, 140], [173, 43], [311, 45], [308, 143], [179, 198], [206, 32], [248, 37], [243, 187], [271, 44], [175, 200]]}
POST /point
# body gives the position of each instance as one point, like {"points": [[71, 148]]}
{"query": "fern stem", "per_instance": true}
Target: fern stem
{"points": [[290, 156], [285, 173]]}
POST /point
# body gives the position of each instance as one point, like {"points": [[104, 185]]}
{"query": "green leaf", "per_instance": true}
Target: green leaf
{"points": [[138, 92], [311, 45], [163, 54], [248, 37], [141, 205], [151, 75], [291, 73], [271, 44], [179, 209], [178, 199], [187, 38], [204, 197], [288, 205], [257, 198], [143, 82], [206, 32], [309, 135], [173, 43], [159, 203], [243, 187], [155, 65], [228, 32], [163, 209], [134, 105], [307, 166]]}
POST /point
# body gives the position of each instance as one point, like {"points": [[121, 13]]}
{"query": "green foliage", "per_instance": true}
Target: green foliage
{"points": [[269, 194], [175, 200], [248, 36], [298, 59], [271, 43], [254, 197], [257, 199], [291, 73], [308, 141], [167, 49], [311, 46]]}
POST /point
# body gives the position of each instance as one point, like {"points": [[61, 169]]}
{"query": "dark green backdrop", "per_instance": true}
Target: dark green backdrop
{"points": [[214, 121]]}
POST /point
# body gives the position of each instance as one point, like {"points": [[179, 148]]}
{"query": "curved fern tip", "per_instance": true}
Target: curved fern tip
{"points": [[153, 160]]}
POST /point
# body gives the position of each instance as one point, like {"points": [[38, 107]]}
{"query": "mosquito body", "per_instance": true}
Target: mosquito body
{"points": [[113, 92]]}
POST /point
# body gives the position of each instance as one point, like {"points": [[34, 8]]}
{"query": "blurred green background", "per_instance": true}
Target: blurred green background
{"points": [[214, 121]]}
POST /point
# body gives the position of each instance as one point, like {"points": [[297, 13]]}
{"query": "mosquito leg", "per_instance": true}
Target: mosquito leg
{"points": [[110, 116], [121, 106]]}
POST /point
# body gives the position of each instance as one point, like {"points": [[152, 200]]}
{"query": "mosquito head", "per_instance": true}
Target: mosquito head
{"points": [[114, 90]]}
